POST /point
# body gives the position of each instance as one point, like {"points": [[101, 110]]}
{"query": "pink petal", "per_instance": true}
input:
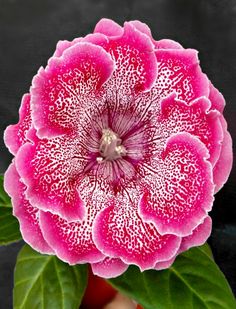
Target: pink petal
{"points": [[161, 44], [179, 187], [108, 27], [194, 118], [165, 264], [63, 45], [216, 98], [72, 241], [136, 65], [142, 27], [224, 164], [15, 135], [48, 169], [109, 268], [198, 237], [167, 44], [94, 38], [120, 232], [27, 215], [60, 90], [179, 71]]}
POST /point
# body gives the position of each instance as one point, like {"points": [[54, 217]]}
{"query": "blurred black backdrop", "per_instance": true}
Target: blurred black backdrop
{"points": [[29, 31]]}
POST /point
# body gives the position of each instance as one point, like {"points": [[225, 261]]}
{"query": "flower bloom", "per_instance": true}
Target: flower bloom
{"points": [[120, 147]]}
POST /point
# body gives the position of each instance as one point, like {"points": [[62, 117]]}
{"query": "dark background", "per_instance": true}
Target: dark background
{"points": [[29, 31]]}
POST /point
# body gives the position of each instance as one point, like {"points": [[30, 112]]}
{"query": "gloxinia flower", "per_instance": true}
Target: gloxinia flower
{"points": [[120, 147]]}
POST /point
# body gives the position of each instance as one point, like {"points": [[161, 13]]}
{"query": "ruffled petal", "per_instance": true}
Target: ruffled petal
{"points": [[142, 27], [165, 264], [224, 164], [198, 237], [161, 44], [167, 44], [216, 98], [94, 38], [179, 71], [179, 187], [136, 65], [51, 171], [109, 268], [27, 215], [194, 118], [119, 232], [15, 135], [63, 45], [60, 90], [72, 241], [108, 27]]}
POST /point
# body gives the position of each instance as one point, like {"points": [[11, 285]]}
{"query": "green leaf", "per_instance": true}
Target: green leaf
{"points": [[5, 200], [45, 282], [194, 281], [9, 226], [207, 250]]}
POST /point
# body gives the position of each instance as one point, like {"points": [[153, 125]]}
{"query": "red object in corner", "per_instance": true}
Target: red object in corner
{"points": [[98, 293], [139, 307]]}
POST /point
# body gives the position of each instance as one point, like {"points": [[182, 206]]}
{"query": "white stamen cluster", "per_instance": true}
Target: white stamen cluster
{"points": [[111, 147]]}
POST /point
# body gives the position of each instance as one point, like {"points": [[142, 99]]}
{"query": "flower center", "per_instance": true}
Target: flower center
{"points": [[111, 147]]}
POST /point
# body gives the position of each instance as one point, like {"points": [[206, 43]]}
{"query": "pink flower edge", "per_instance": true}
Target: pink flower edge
{"points": [[224, 164], [109, 268], [110, 28], [198, 237], [72, 241], [25, 213], [15, 135]]}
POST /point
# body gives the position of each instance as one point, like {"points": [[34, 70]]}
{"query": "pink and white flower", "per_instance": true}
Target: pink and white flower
{"points": [[119, 149]]}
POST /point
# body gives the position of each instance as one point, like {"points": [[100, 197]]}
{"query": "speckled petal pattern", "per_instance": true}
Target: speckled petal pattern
{"points": [[48, 170], [179, 190], [72, 241], [59, 90], [120, 232]]}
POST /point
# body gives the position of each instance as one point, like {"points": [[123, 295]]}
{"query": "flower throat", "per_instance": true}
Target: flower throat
{"points": [[111, 147]]}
